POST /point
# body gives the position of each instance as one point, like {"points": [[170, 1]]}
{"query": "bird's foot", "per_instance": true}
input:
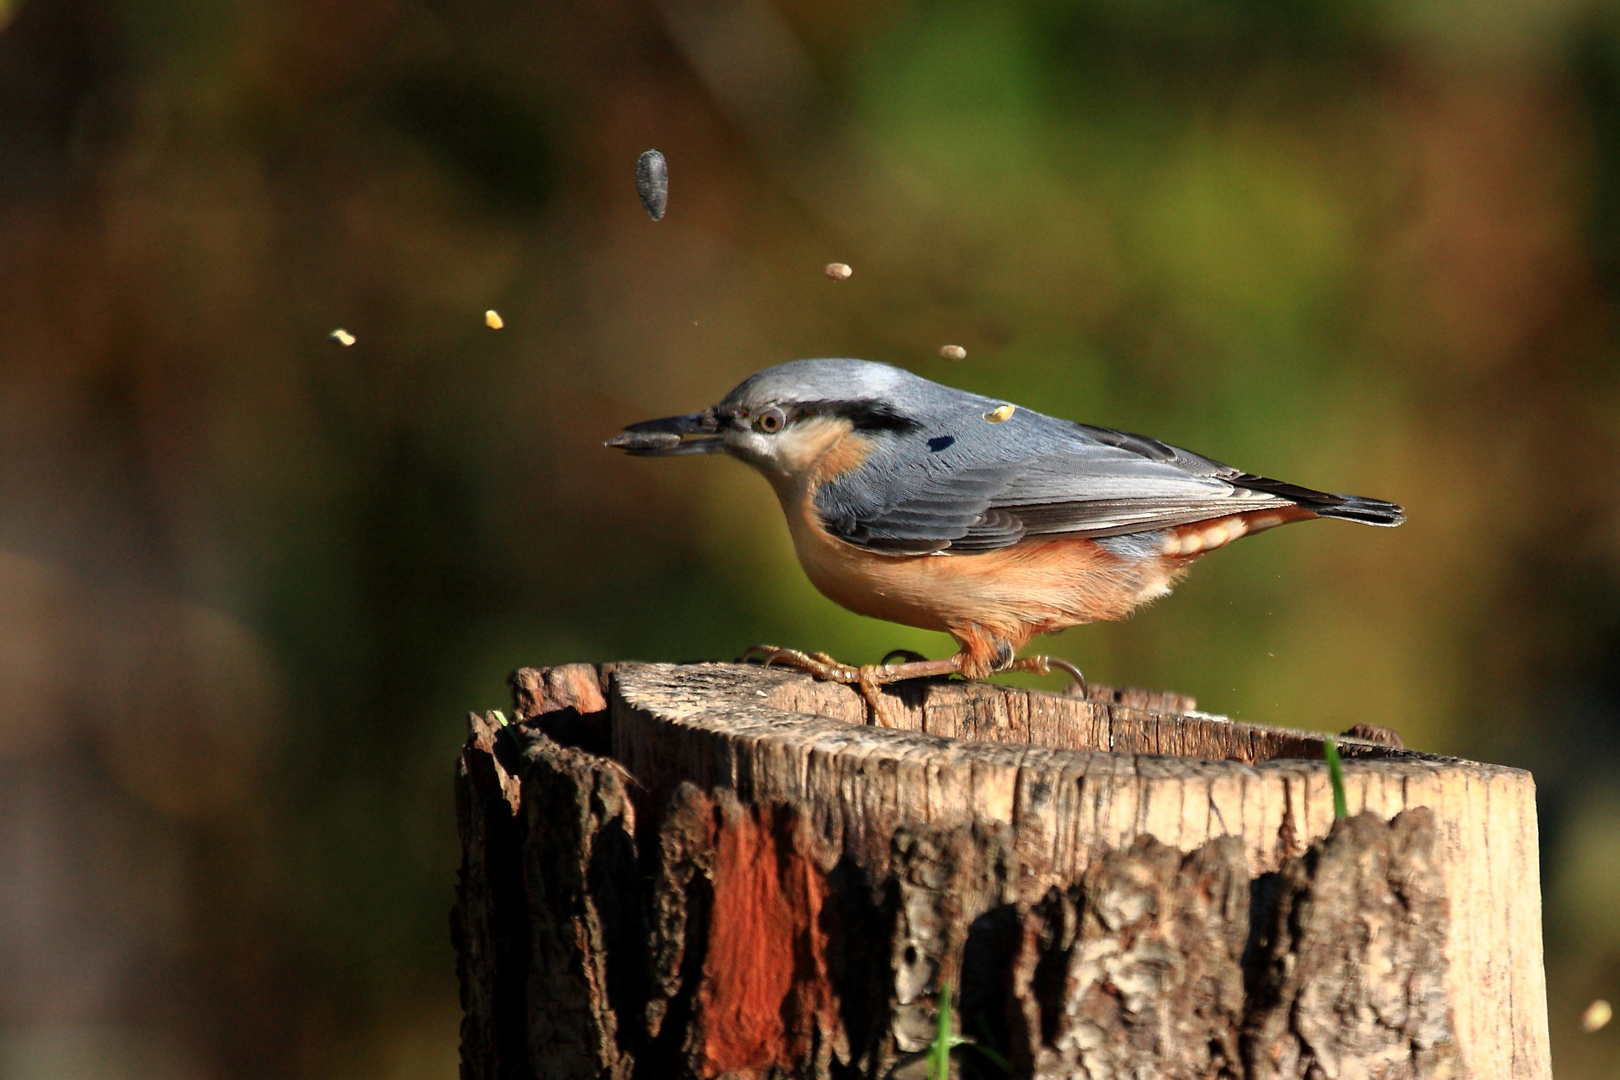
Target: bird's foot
{"points": [[1043, 665], [872, 677], [869, 677], [817, 664]]}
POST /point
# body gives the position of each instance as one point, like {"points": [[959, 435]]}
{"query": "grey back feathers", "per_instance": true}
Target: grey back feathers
{"points": [[941, 476]]}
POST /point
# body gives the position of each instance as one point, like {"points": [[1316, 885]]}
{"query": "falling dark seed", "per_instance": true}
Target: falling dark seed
{"points": [[652, 182]]}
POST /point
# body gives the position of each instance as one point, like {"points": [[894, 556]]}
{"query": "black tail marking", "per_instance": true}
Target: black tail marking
{"points": [[1366, 511], [1323, 504]]}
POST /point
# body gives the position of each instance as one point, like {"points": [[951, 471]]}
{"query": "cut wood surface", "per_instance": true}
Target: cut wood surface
{"points": [[721, 870]]}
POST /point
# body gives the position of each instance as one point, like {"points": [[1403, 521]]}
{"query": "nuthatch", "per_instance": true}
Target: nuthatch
{"points": [[937, 508]]}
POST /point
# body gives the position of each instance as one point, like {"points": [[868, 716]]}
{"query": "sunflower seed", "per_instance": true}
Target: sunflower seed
{"points": [[652, 182]]}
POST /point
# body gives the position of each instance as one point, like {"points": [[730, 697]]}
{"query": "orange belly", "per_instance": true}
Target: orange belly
{"points": [[1009, 595]]}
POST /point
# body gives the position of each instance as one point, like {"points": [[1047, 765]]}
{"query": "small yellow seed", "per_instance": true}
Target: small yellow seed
{"points": [[953, 352], [996, 416], [342, 337], [493, 320], [838, 271], [1597, 1016]]}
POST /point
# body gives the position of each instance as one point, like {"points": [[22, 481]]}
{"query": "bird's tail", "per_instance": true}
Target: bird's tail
{"points": [[1323, 504], [1358, 508]]}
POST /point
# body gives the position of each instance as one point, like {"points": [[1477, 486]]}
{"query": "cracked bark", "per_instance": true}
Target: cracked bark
{"points": [[1349, 970], [719, 871]]}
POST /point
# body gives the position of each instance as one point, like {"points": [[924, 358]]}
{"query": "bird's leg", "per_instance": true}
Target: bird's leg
{"points": [[1043, 665], [914, 669], [874, 676]]}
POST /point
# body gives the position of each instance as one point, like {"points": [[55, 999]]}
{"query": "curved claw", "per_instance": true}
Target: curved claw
{"points": [[910, 656], [762, 653], [1079, 678], [1043, 665]]}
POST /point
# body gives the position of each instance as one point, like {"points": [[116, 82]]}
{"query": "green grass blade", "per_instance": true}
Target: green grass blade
{"points": [[1330, 750]]}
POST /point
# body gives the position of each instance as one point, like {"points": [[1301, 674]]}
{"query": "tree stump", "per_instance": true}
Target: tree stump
{"points": [[729, 871]]}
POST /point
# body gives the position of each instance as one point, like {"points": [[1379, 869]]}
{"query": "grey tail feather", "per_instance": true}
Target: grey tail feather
{"points": [[1349, 507]]}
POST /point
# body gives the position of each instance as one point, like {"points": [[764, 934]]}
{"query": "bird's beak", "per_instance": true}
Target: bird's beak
{"points": [[698, 433]]}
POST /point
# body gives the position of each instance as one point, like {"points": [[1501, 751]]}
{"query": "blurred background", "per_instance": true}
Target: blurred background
{"points": [[251, 580]]}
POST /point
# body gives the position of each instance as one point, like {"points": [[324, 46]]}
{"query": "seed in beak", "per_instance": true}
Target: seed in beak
{"points": [[644, 440]]}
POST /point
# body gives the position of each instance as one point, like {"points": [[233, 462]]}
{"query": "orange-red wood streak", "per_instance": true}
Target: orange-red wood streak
{"points": [[766, 989]]}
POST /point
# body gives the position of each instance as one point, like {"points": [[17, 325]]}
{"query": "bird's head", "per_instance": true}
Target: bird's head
{"points": [[781, 420]]}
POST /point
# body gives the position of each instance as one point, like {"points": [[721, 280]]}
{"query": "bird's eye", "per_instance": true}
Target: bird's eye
{"points": [[770, 421]]}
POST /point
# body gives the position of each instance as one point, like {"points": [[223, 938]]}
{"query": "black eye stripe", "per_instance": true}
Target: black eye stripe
{"points": [[864, 414]]}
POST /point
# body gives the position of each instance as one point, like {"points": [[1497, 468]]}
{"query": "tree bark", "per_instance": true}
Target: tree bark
{"points": [[727, 871]]}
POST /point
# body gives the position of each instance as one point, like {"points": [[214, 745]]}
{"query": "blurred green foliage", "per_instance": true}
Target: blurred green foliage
{"points": [[249, 581]]}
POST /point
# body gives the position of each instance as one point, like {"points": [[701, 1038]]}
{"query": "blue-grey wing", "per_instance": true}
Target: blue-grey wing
{"points": [[966, 484], [902, 507]]}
